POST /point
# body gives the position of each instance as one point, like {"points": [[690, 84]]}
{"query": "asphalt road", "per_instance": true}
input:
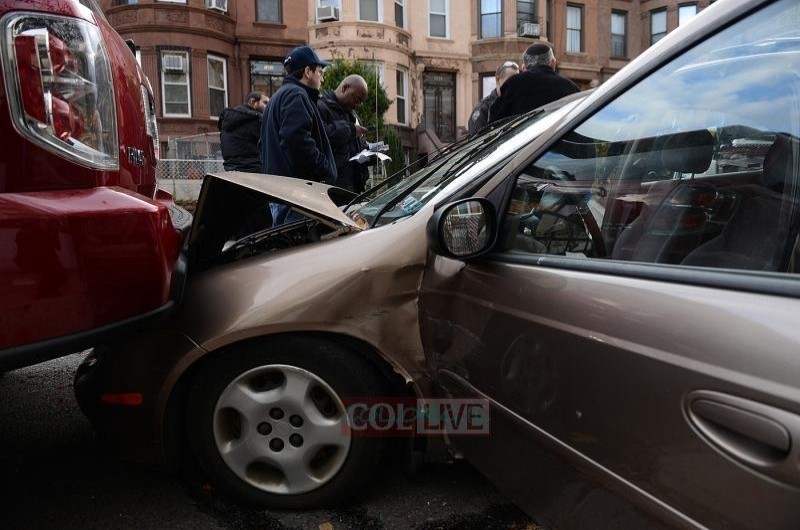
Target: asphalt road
{"points": [[54, 475]]}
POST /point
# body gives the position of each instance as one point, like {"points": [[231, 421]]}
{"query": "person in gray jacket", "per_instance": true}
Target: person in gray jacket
{"points": [[480, 116]]}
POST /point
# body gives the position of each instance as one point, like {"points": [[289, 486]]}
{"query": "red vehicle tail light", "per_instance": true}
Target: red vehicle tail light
{"points": [[67, 120], [61, 93], [62, 60], [149, 104], [30, 77]]}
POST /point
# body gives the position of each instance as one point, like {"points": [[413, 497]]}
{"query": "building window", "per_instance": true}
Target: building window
{"points": [[440, 104], [269, 11], [175, 84], [402, 101], [658, 25], [400, 13], [370, 10], [376, 67], [574, 29], [491, 17], [217, 85], [438, 14], [488, 83], [526, 12], [328, 3], [124, 2], [266, 76], [619, 31], [686, 12]]}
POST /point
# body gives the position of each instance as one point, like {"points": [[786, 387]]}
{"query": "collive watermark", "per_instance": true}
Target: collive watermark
{"points": [[394, 416]]}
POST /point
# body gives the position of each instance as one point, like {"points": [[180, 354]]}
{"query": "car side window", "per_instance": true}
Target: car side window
{"points": [[697, 165]]}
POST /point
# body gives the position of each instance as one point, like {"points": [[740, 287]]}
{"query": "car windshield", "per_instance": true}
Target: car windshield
{"points": [[415, 190]]}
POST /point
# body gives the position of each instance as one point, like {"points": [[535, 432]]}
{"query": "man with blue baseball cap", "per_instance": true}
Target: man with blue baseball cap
{"points": [[293, 138]]}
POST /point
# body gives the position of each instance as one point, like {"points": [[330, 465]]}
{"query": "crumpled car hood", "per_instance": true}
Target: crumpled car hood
{"points": [[315, 199], [232, 199]]}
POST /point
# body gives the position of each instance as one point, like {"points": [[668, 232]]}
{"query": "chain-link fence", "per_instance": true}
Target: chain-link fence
{"points": [[198, 146], [183, 178], [170, 169], [190, 158]]}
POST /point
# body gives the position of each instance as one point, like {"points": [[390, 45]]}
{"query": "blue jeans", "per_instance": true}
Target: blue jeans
{"points": [[282, 214]]}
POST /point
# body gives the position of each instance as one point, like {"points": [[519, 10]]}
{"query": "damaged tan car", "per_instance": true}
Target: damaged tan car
{"points": [[616, 276], [279, 327]]}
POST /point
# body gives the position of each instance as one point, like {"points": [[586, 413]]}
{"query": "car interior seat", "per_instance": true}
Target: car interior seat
{"points": [[761, 233], [667, 227]]}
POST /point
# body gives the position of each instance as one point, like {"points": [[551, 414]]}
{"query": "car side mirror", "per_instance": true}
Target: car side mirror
{"points": [[463, 229]]}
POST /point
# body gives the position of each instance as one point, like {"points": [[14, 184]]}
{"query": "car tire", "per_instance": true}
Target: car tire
{"points": [[244, 430]]}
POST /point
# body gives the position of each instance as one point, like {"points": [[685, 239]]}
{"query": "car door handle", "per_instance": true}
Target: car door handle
{"points": [[738, 422], [762, 437]]}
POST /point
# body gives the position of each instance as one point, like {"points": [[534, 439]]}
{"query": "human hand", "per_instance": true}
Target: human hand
{"points": [[361, 131]]}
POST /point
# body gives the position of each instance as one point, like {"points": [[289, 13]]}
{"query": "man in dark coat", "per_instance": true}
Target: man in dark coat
{"points": [[293, 138], [240, 129], [538, 85], [480, 115], [337, 108]]}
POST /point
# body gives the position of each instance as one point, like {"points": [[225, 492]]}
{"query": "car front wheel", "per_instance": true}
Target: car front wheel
{"points": [[268, 423]]}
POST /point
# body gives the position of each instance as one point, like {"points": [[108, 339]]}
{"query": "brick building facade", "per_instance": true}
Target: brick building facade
{"points": [[436, 58]]}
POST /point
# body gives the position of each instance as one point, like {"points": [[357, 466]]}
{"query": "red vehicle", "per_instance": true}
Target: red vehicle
{"points": [[87, 243]]}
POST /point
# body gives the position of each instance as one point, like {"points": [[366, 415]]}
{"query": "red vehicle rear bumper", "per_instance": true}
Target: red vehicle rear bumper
{"points": [[78, 263]]}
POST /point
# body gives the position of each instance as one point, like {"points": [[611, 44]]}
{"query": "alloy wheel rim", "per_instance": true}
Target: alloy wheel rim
{"points": [[281, 429]]}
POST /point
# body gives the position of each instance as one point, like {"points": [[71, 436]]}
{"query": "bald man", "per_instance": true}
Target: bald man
{"points": [[345, 133]]}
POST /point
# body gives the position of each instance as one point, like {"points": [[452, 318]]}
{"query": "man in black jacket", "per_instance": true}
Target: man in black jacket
{"points": [[538, 85], [240, 129], [337, 108], [293, 138]]}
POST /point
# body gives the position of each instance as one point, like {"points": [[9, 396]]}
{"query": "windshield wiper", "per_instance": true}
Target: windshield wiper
{"points": [[458, 166], [392, 203], [498, 123]]}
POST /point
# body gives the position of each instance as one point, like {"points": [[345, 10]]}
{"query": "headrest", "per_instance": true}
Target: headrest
{"points": [[780, 162], [687, 152]]}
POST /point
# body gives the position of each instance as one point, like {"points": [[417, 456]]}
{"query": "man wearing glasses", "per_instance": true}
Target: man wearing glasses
{"points": [[480, 115]]}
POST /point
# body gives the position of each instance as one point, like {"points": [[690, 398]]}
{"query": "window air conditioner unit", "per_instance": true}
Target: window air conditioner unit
{"points": [[219, 5], [529, 29], [173, 63], [327, 14]]}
